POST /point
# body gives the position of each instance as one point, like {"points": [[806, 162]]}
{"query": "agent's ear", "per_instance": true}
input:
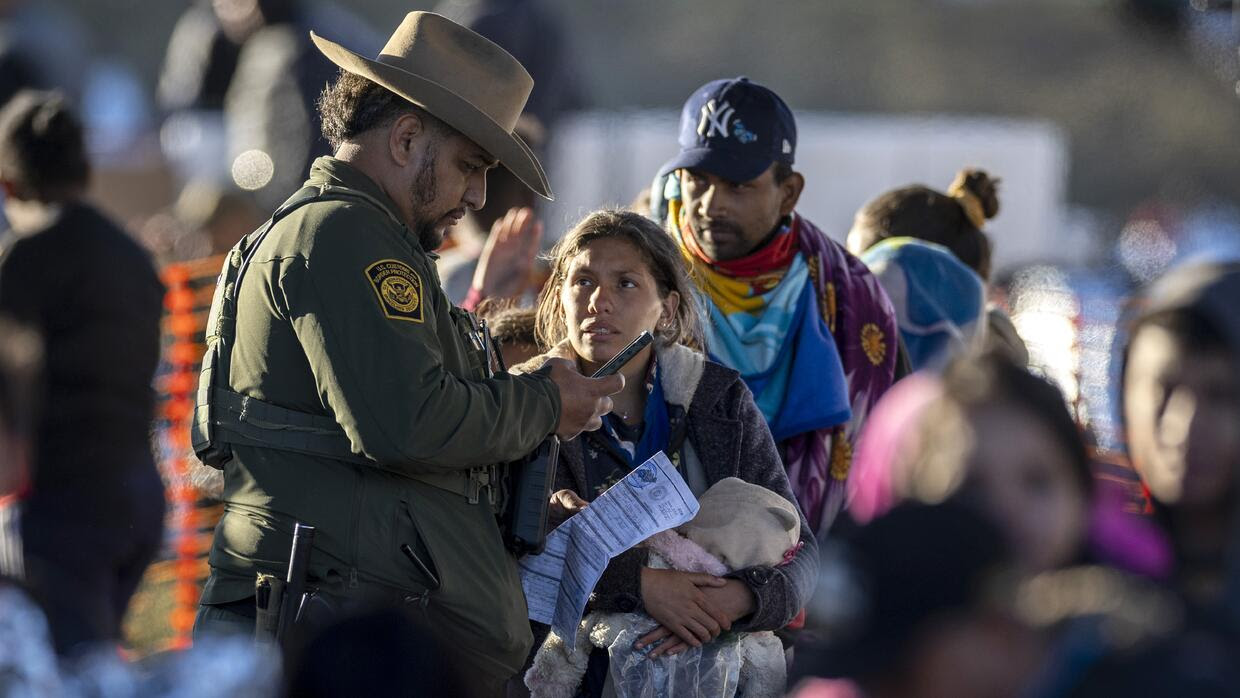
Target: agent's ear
{"points": [[403, 136], [790, 193]]}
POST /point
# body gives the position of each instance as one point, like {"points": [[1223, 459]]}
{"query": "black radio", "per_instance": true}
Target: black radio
{"points": [[524, 517]]}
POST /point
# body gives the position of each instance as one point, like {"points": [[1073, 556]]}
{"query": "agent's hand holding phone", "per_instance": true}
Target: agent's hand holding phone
{"points": [[584, 401]]}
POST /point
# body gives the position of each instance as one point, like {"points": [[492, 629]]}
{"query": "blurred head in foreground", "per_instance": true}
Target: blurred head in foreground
{"points": [[990, 433], [380, 651], [1181, 410], [43, 158], [914, 604]]}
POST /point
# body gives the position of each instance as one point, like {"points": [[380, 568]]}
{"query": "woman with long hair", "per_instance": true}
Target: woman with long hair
{"points": [[613, 276]]}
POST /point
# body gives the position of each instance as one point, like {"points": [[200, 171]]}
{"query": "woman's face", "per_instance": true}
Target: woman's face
{"points": [[609, 297], [1026, 479], [1181, 412]]}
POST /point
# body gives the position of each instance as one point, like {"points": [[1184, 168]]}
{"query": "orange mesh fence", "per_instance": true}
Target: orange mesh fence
{"points": [[161, 616]]}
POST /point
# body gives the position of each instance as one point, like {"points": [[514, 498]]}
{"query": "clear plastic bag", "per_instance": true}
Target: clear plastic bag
{"points": [[710, 670]]}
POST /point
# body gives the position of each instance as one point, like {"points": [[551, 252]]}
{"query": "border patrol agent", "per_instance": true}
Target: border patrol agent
{"points": [[341, 388]]}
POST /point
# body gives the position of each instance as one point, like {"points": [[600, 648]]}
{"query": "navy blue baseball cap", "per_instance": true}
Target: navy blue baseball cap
{"points": [[734, 129]]}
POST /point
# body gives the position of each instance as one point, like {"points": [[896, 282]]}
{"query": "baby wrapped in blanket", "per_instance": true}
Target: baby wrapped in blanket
{"points": [[739, 525]]}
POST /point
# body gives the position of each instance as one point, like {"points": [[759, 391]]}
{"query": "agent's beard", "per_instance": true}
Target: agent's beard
{"points": [[423, 194]]}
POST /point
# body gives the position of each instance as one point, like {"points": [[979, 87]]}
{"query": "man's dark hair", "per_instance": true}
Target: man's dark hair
{"points": [[782, 171], [992, 378], [353, 105], [42, 148], [1193, 330]]}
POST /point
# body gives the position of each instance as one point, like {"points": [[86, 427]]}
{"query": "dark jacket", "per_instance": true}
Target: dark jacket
{"points": [[727, 435], [93, 294]]}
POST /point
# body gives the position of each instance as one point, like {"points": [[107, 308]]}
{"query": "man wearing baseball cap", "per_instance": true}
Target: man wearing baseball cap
{"points": [[342, 390], [806, 324]]}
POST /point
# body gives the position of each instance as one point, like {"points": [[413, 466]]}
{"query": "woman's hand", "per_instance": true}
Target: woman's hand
{"points": [[672, 644], [564, 504], [733, 599], [678, 602]]}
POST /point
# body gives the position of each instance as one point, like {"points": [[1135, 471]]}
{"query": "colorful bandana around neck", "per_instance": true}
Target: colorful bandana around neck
{"points": [[740, 285], [857, 314], [766, 324]]}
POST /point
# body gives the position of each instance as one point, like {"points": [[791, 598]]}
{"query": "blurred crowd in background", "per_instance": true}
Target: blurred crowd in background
{"points": [[1094, 144]]}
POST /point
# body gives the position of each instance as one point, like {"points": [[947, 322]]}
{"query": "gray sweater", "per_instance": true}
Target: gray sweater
{"points": [[727, 437]]}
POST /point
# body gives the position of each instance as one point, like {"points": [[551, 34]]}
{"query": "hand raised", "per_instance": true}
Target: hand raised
{"points": [[503, 270]]}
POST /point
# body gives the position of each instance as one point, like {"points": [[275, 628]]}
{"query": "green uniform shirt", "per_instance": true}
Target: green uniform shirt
{"points": [[341, 314]]}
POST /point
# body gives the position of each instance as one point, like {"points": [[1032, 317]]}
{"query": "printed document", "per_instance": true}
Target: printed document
{"points": [[652, 498]]}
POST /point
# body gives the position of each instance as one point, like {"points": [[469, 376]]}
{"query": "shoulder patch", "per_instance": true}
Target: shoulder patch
{"points": [[399, 289]]}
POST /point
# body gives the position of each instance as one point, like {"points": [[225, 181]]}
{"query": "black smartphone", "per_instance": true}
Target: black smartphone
{"points": [[524, 518], [626, 355]]}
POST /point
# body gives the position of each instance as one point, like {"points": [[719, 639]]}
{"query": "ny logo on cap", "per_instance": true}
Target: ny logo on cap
{"points": [[715, 118]]}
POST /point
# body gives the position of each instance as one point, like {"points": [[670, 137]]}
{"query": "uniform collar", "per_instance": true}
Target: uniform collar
{"points": [[327, 170]]}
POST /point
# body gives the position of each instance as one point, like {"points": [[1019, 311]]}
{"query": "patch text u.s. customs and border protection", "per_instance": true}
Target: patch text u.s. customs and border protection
{"points": [[399, 289]]}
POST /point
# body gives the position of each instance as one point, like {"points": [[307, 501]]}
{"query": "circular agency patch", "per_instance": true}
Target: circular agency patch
{"points": [[399, 289]]}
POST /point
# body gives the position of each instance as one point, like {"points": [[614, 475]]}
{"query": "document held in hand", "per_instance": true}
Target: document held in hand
{"points": [[557, 583]]}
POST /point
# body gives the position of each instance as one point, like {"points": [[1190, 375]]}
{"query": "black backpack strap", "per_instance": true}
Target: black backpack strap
{"points": [[249, 244], [215, 426], [241, 419]]}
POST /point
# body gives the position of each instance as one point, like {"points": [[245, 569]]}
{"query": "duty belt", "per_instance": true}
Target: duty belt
{"points": [[248, 421]]}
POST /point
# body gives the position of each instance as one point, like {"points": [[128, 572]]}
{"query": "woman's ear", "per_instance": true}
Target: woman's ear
{"points": [[670, 305]]}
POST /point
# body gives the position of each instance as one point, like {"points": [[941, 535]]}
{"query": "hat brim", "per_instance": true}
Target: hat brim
{"points": [[717, 162], [450, 108]]}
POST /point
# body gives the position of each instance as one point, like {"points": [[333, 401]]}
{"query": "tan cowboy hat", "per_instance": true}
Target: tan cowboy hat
{"points": [[459, 77]]}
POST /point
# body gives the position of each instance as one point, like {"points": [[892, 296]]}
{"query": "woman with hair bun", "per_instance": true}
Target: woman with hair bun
{"points": [[951, 222]]}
